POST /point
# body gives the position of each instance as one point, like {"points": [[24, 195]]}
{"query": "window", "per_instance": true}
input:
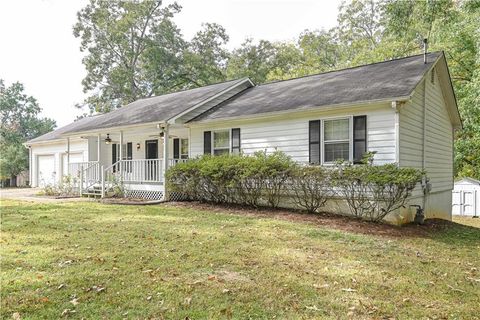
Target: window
{"points": [[221, 142], [184, 149], [336, 140]]}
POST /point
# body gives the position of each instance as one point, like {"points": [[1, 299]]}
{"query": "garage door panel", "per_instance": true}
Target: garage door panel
{"points": [[46, 170]]}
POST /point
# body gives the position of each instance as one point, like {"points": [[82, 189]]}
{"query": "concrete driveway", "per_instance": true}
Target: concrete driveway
{"points": [[30, 194]]}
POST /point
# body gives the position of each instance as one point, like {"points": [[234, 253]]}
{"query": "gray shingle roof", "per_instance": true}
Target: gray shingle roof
{"points": [[153, 109], [57, 134], [382, 80]]}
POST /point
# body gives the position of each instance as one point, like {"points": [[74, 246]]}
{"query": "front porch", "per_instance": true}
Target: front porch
{"points": [[132, 161]]}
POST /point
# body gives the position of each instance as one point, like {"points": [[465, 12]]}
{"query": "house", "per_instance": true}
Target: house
{"points": [[403, 110], [466, 197]]}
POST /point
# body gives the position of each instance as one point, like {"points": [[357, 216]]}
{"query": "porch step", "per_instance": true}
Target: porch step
{"points": [[93, 192]]}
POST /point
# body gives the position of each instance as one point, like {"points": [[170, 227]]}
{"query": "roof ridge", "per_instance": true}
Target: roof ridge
{"points": [[179, 91], [344, 69]]}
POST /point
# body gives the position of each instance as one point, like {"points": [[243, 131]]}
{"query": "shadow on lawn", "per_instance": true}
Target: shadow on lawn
{"points": [[437, 229]]}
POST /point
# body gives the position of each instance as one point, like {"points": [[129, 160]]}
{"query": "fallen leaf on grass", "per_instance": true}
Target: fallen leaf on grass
{"points": [[226, 291], [349, 290], [455, 289], [67, 312], [96, 288], [312, 308], [16, 316], [74, 301]]}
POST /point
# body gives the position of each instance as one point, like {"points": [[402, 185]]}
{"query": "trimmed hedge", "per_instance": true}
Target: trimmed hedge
{"points": [[371, 192]]}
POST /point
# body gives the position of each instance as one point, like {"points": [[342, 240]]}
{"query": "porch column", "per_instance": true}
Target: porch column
{"points": [[165, 159], [98, 147], [68, 156], [121, 152]]}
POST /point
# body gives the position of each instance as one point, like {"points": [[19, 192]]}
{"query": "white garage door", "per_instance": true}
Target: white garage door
{"points": [[74, 157], [46, 170]]}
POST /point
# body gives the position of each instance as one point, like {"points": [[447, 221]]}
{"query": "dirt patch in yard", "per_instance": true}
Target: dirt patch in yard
{"points": [[328, 220]]}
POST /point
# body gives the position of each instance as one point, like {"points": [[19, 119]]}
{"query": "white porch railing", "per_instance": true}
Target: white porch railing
{"points": [[145, 170], [172, 162], [92, 175], [74, 168]]}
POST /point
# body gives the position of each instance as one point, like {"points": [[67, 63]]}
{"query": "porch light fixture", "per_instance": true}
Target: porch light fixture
{"points": [[138, 146], [108, 140]]}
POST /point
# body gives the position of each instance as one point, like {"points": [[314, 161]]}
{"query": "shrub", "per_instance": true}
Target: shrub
{"points": [[275, 170], [184, 179], [311, 187], [372, 192], [68, 187], [232, 178]]}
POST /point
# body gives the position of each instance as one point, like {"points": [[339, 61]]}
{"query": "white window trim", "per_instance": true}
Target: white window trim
{"points": [[229, 140], [322, 139], [180, 144]]}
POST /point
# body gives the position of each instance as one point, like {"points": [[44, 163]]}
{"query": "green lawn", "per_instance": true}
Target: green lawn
{"points": [[90, 260]]}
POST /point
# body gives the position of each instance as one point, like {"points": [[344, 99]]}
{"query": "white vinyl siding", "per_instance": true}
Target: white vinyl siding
{"points": [[290, 134], [439, 139], [438, 135]]}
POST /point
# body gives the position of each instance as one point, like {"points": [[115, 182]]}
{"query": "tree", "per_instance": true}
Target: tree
{"points": [[19, 123], [207, 57], [133, 51], [252, 60]]}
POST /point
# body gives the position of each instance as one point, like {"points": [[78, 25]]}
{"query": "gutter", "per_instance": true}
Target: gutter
{"points": [[339, 106]]}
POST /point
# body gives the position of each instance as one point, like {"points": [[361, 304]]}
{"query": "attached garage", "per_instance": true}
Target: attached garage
{"points": [[46, 170], [466, 197]]}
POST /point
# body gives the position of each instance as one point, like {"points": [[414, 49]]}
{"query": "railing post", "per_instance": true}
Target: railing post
{"points": [[102, 173], [81, 183]]}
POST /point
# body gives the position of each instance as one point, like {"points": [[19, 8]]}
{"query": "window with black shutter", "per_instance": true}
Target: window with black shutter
{"points": [[359, 138], [207, 142], [314, 142], [236, 141]]}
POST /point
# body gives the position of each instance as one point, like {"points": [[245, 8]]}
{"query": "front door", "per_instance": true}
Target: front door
{"points": [[151, 166]]}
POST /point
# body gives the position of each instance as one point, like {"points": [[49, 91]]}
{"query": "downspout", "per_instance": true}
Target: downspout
{"points": [[396, 108], [424, 147]]}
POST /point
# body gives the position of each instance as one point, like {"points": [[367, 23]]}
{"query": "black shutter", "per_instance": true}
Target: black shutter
{"points": [[114, 156], [359, 138], [114, 153], [236, 141], [314, 142], [207, 142], [176, 148]]}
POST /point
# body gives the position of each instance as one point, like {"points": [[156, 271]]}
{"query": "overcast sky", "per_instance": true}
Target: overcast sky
{"points": [[37, 46]]}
